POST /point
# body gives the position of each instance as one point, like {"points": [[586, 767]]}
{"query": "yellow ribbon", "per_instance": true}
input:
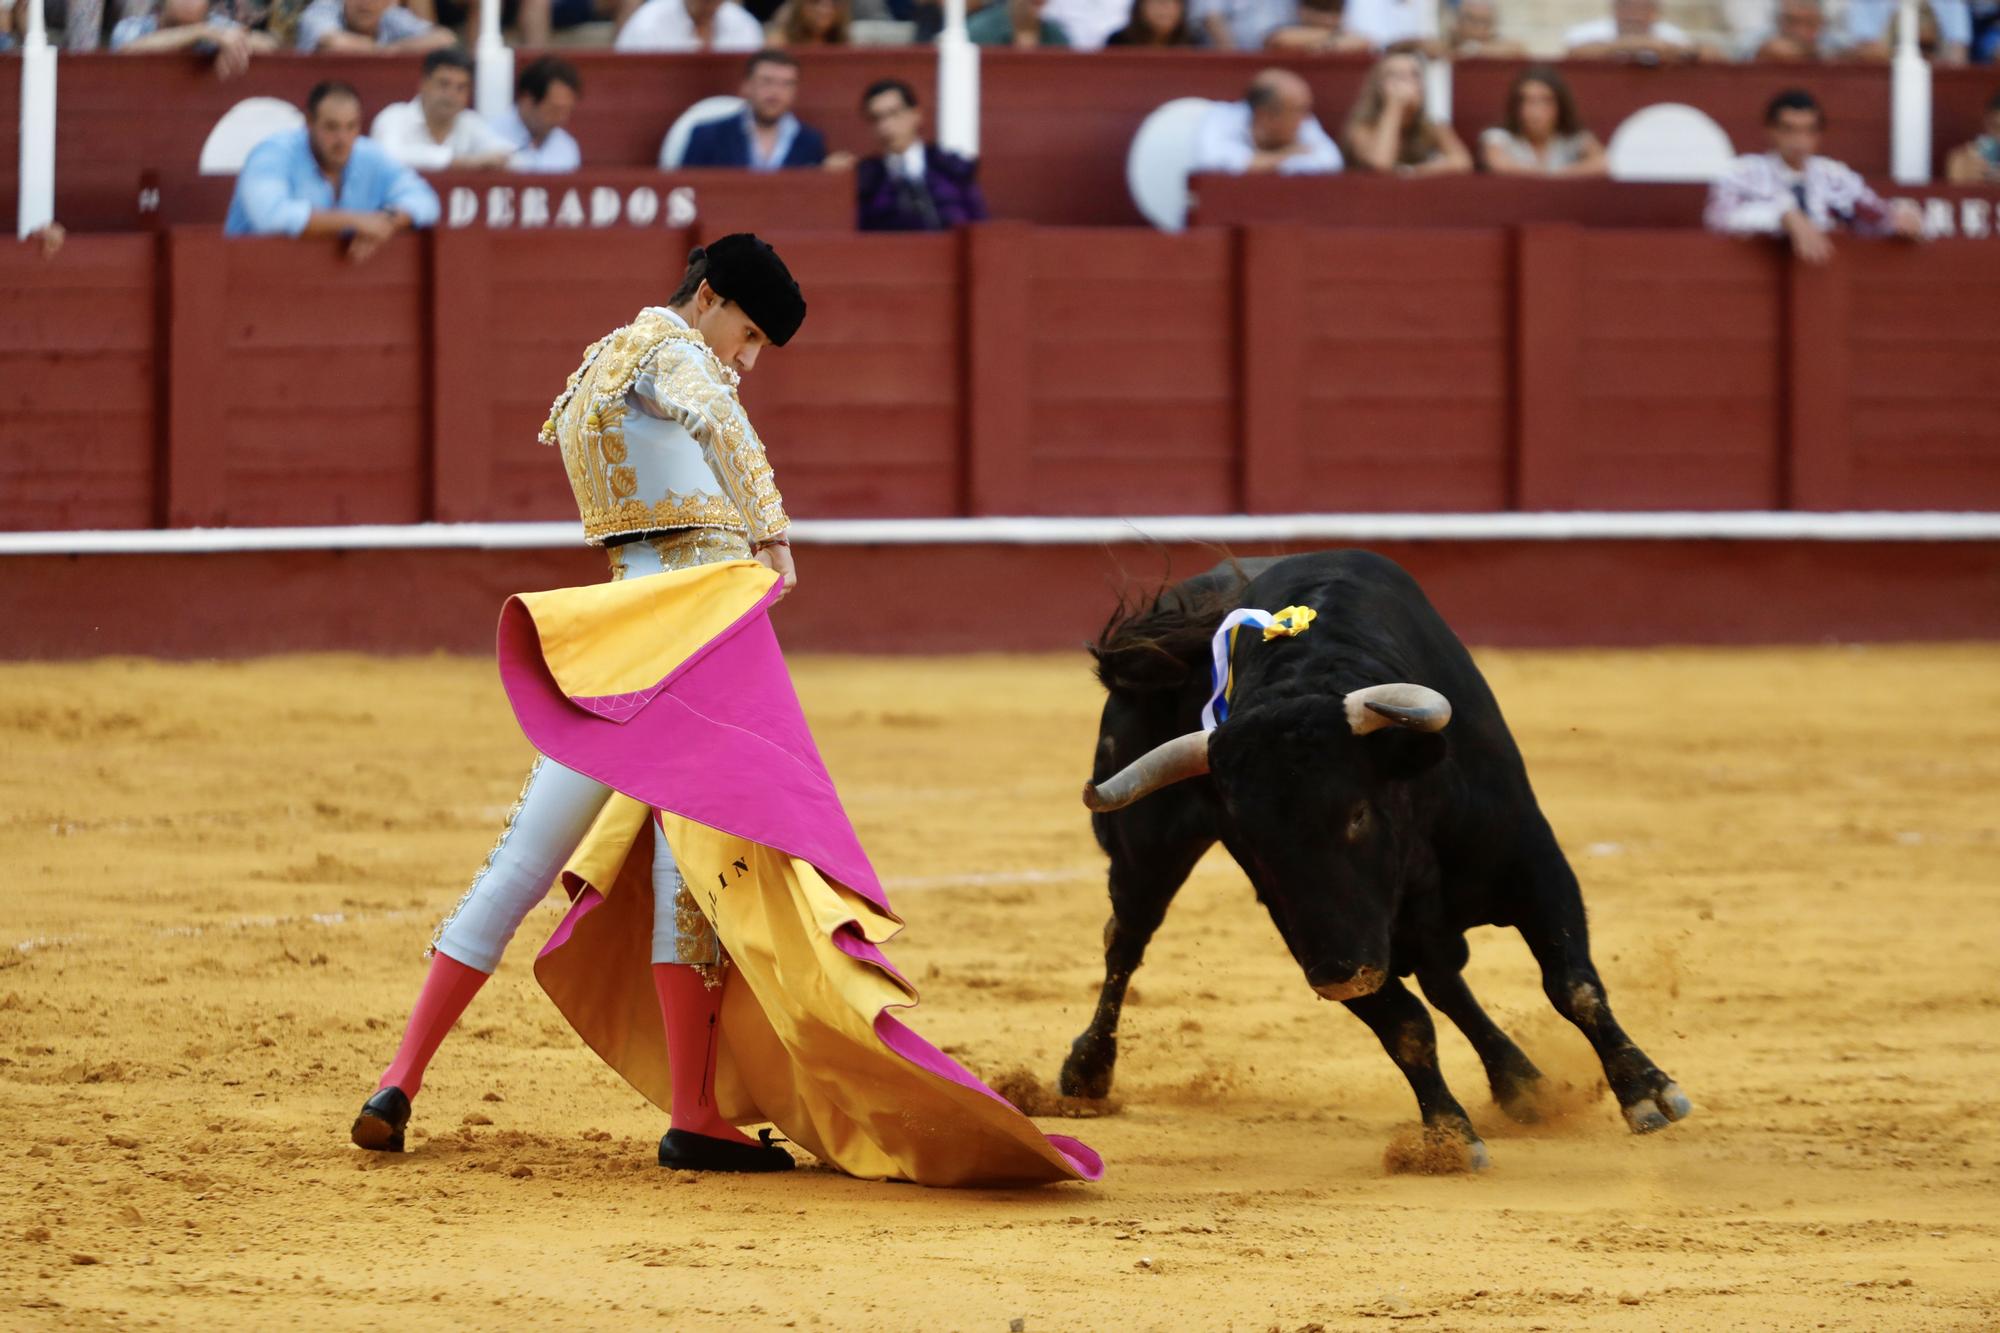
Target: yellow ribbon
{"points": [[1290, 623]]}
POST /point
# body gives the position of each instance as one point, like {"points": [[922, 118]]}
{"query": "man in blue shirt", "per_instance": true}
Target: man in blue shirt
{"points": [[326, 180], [765, 135]]}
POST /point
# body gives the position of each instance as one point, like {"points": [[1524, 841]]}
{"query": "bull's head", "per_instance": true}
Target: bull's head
{"points": [[1317, 808]]}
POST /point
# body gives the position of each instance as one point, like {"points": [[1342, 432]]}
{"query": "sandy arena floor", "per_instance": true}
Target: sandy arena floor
{"points": [[222, 877]]}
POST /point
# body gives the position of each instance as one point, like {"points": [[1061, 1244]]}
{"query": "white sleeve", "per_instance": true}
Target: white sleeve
{"points": [[481, 135], [1322, 155], [399, 130], [1742, 206], [1218, 146]]}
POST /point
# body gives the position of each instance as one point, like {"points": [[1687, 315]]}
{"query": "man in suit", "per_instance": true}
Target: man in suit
{"points": [[913, 186], [765, 135]]}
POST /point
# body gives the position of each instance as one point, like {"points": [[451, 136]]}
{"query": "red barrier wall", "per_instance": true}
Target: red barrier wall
{"points": [[942, 599], [1015, 370], [1055, 125], [1355, 199], [78, 394]]}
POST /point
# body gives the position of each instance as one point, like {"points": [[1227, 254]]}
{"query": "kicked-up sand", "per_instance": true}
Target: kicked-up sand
{"points": [[221, 878]]}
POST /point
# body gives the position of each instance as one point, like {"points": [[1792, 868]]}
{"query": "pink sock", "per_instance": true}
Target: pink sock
{"points": [[448, 987], [693, 1016]]}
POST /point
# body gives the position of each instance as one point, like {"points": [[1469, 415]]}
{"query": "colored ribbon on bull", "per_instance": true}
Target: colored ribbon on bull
{"points": [[1286, 624]]}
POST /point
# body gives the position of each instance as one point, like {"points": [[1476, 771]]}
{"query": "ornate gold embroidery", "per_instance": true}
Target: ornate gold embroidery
{"points": [[487, 865], [691, 387], [699, 546], [675, 511], [695, 941], [617, 554]]}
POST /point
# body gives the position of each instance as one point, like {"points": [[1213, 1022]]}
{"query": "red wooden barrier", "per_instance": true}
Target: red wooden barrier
{"points": [[1357, 200], [77, 388], [1014, 370], [592, 200]]}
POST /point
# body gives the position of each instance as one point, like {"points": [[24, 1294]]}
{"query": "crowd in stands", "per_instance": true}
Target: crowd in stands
{"points": [[1951, 31]]}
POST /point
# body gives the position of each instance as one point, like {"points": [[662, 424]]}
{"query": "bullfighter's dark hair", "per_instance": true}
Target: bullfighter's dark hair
{"points": [[451, 57], [1153, 643], [880, 86], [697, 273], [328, 88], [544, 74], [1794, 99]]}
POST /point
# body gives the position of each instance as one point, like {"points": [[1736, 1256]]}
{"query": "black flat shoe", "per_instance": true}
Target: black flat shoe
{"points": [[684, 1150], [379, 1127]]}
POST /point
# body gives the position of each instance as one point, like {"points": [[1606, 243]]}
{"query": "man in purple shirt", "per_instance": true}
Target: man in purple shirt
{"points": [[913, 186]]}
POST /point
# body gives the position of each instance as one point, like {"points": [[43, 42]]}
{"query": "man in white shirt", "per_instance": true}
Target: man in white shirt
{"points": [[1632, 31], [544, 96], [1271, 129], [1240, 25], [1391, 25], [437, 130], [691, 25], [1088, 22], [1793, 193]]}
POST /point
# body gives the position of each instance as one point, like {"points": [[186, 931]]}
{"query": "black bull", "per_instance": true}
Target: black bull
{"points": [[1374, 833]]}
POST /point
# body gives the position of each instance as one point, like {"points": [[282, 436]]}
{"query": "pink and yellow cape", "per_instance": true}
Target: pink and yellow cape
{"points": [[671, 689]]}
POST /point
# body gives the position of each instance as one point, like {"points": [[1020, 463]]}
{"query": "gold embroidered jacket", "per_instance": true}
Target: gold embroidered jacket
{"points": [[680, 380]]}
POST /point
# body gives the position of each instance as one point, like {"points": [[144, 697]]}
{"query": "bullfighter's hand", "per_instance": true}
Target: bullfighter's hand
{"points": [[778, 559]]}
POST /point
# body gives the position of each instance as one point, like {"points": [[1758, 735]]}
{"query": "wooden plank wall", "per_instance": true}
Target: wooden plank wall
{"points": [[1014, 370], [78, 393]]}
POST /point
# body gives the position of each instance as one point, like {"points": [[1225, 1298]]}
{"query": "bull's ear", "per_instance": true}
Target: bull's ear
{"points": [[1399, 755]]}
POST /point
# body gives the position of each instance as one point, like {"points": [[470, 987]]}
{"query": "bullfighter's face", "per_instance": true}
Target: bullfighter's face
{"points": [[1320, 816]]}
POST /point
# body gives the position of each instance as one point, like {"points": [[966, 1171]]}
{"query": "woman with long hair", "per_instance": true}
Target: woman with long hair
{"points": [[810, 23], [1155, 23], [1389, 130], [1542, 134]]}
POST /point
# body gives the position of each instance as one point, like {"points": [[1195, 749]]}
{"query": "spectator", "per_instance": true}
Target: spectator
{"points": [[1316, 28], [326, 180], [1155, 23], [1870, 34], [1088, 24], [437, 129], [913, 186], [1633, 31], [1791, 192], [1542, 135], [1389, 130], [539, 18], [691, 25], [1271, 129], [1475, 34], [1801, 34], [368, 26], [544, 97], [184, 25], [1241, 25], [1978, 162], [764, 135], [1392, 25], [809, 23], [1016, 23]]}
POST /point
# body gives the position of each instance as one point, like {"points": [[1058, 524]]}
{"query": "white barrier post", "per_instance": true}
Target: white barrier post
{"points": [[1909, 104], [958, 84], [38, 125], [1437, 72], [493, 85]]}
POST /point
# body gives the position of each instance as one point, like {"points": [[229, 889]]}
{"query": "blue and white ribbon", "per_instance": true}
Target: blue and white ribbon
{"points": [[1292, 620]]}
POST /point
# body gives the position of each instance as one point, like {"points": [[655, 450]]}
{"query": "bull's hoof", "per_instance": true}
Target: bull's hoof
{"points": [[1658, 1111], [1445, 1147], [1522, 1102], [1087, 1072]]}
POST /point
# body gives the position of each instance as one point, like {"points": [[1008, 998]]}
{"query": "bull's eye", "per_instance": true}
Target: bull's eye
{"points": [[1357, 822]]}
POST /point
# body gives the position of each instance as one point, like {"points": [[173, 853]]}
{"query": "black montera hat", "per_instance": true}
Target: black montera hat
{"points": [[745, 270]]}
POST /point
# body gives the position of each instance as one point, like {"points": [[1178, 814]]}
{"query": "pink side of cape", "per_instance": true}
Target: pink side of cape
{"points": [[723, 741]]}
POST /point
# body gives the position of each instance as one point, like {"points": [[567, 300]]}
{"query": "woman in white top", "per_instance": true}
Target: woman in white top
{"points": [[1542, 135]]}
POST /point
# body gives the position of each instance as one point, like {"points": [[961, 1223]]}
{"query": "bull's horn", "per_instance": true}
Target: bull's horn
{"points": [[1178, 760], [1417, 707]]}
